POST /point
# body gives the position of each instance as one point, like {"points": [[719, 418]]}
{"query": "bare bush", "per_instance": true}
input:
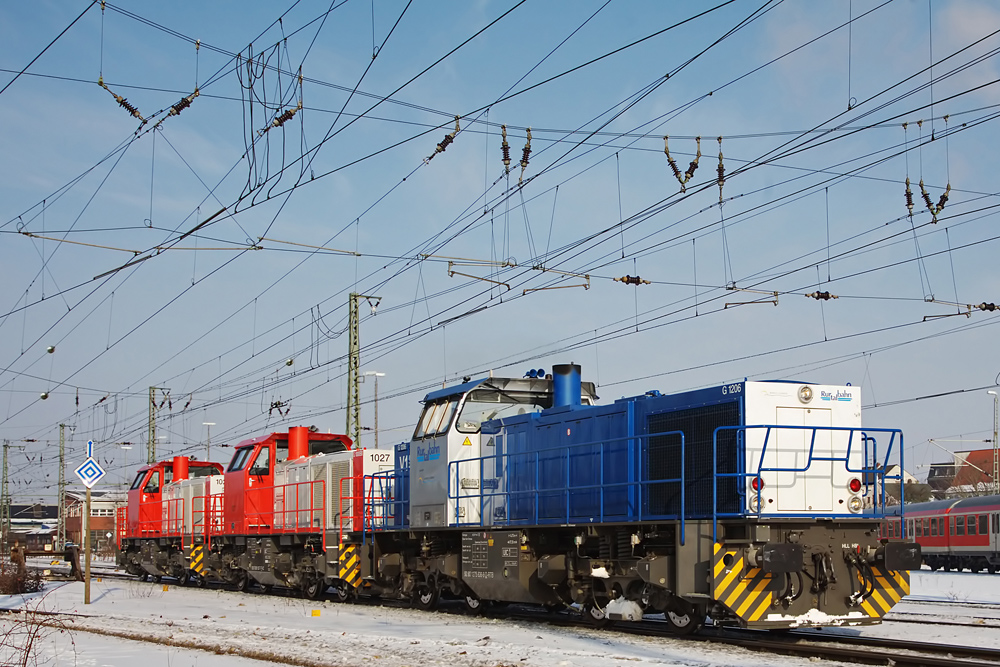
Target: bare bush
{"points": [[22, 633], [15, 579]]}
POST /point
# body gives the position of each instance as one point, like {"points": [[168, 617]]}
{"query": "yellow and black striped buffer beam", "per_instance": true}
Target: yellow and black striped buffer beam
{"points": [[350, 564], [747, 591], [197, 559], [890, 586]]}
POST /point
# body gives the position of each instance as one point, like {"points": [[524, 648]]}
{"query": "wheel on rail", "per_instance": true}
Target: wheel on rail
{"points": [[201, 581], [266, 588], [474, 605], [683, 618], [991, 568], [315, 589], [184, 578], [243, 582], [596, 615], [343, 592], [426, 597], [157, 578], [144, 576]]}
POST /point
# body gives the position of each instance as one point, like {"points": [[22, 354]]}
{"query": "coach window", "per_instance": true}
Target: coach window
{"points": [[960, 525], [984, 524], [909, 528], [927, 529], [934, 527], [970, 524], [996, 523]]}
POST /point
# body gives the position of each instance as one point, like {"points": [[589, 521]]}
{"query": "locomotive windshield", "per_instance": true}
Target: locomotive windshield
{"points": [[137, 482]]}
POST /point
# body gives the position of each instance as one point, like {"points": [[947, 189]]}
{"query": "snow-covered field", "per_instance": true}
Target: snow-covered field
{"points": [[215, 628]]}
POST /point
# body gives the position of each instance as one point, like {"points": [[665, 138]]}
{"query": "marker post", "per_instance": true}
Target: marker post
{"points": [[89, 473]]}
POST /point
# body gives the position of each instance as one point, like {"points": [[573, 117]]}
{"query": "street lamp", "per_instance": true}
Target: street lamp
{"points": [[377, 376], [208, 440], [996, 459]]}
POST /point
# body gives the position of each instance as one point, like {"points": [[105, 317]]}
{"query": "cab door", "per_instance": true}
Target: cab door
{"points": [[150, 506], [259, 502], [234, 492]]}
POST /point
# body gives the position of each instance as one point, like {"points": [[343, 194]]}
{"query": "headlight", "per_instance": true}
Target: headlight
{"points": [[854, 504], [754, 503], [805, 393]]}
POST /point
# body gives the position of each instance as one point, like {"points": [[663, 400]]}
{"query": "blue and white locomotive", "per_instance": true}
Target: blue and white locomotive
{"points": [[754, 503]]}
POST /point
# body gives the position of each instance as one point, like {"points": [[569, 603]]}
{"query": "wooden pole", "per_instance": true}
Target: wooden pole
{"points": [[86, 548]]}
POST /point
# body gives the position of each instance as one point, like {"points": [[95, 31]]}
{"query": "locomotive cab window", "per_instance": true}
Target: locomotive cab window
{"points": [[487, 402], [315, 447], [425, 421], [261, 464], [194, 472], [240, 459], [153, 485], [137, 482]]}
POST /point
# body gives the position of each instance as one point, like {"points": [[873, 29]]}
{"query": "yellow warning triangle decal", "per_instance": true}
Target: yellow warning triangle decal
{"points": [[467, 443], [490, 443]]}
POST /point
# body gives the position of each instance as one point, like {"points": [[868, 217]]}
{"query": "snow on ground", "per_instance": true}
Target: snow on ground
{"points": [[327, 633]]}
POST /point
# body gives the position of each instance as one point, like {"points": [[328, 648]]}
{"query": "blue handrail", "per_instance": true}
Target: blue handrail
{"points": [[535, 460], [878, 472]]}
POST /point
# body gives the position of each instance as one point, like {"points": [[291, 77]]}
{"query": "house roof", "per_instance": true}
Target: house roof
{"points": [[35, 511], [103, 495], [971, 469]]}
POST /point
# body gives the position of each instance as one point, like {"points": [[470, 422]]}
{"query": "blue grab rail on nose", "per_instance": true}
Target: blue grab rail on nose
{"points": [[876, 474]]}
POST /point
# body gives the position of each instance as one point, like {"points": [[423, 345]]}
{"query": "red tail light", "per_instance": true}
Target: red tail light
{"points": [[854, 485], [756, 483]]}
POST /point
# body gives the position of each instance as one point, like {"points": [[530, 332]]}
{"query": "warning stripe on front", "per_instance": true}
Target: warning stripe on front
{"points": [[748, 592], [890, 586], [350, 564], [198, 559], [745, 591]]}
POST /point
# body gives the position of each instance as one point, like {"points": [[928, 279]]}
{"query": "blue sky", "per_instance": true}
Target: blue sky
{"points": [[810, 106]]}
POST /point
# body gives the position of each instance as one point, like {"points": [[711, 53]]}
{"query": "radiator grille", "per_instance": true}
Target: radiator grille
{"points": [[664, 460], [338, 471]]}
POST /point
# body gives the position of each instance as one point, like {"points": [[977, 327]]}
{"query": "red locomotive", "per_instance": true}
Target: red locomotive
{"points": [[955, 534], [193, 521]]}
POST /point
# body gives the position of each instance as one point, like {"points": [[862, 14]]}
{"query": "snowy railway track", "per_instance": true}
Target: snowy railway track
{"points": [[804, 643]]}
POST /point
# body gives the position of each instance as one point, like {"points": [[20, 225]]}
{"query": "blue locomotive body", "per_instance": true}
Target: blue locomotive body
{"points": [[707, 502]]}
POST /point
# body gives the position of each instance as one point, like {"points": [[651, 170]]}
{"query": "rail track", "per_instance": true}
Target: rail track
{"points": [[799, 643]]}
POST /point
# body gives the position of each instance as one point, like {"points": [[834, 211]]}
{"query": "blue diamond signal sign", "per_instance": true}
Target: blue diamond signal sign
{"points": [[90, 472]]}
